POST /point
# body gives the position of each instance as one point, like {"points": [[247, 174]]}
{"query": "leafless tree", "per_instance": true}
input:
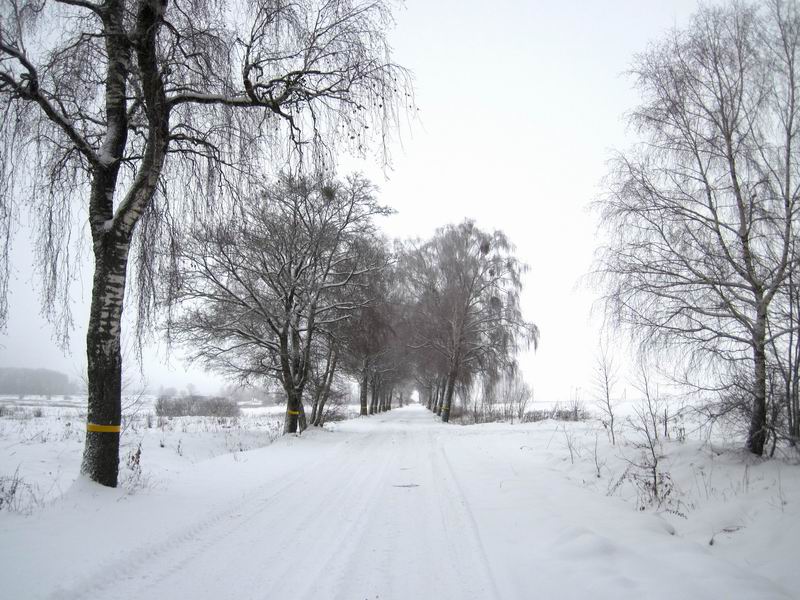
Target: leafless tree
{"points": [[137, 115], [511, 392], [646, 471], [258, 287], [702, 214], [468, 284], [605, 380]]}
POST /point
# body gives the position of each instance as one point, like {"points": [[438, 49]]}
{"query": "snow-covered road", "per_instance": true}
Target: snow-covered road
{"points": [[395, 506]]}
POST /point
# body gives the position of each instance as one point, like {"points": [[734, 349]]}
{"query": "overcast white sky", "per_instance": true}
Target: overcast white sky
{"points": [[521, 103]]}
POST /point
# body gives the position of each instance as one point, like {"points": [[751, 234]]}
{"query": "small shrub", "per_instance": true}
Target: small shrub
{"points": [[196, 406], [574, 412], [37, 412], [647, 473], [476, 417], [220, 407], [535, 415], [16, 495], [334, 411], [569, 438], [132, 477], [134, 460]]}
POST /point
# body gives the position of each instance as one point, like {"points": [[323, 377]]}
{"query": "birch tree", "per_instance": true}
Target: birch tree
{"points": [[703, 213], [136, 115]]}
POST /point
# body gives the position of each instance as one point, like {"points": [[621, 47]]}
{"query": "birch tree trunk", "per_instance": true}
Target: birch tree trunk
{"points": [[104, 359], [757, 433], [448, 395], [315, 407]]}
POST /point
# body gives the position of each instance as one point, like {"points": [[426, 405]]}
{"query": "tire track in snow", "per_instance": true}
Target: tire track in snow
{"points": [[182, 545], [336, 564], [407, 524], [316, 539], [244, 558], [377, 545], [247, 557], [455, 508]]}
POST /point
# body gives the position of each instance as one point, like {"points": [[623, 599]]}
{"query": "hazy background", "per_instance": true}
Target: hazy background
{"points": [[521, 104]]}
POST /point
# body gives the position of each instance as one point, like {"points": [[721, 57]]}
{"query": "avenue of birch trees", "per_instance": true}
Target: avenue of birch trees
{"points": [[300, 288], [194, 142]]}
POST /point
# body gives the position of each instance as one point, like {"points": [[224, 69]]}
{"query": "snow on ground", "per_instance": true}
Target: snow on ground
{"points": [[43, 443], [399, 506]]}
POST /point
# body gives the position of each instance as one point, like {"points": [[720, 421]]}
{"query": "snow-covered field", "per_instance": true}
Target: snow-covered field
{"points": [[42, 441], [391, 506]]}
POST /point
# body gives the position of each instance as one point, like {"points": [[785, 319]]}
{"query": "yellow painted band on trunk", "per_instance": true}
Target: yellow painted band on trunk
{"points": [[102, 428], [293, 412]]}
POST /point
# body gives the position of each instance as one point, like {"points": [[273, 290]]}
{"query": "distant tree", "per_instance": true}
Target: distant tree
{"points": [[366, 334], [429, 315], [703, 213], [468, 284], [390, 363], [138, 114], [35, 382]]}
